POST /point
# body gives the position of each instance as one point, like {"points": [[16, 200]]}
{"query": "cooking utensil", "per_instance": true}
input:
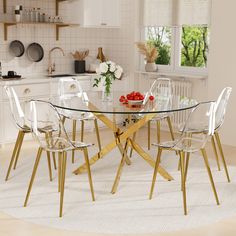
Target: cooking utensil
{"points": [[17, 48], [35, 52]]}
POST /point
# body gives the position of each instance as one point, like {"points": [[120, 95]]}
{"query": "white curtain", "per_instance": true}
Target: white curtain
{"points": [[176, 12]]}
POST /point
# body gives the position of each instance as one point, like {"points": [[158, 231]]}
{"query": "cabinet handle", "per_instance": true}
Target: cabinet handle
{"points": [[27, 91], [73, 86], [103, 23]]}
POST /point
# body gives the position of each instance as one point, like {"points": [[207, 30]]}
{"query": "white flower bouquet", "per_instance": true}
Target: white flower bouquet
{"points": [[108, 72]]}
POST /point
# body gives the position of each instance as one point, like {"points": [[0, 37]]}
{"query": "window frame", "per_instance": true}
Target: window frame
{"points": [[175, 65]]}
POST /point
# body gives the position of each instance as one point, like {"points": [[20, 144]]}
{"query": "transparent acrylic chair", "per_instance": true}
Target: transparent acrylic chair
{"points": [[45, 119], [70, 87], [162, 90], [203, 116], [220, 111], [18, 115]]}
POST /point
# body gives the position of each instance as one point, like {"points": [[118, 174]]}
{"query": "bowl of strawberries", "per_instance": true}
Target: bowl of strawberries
{"points": [[133, 98]]}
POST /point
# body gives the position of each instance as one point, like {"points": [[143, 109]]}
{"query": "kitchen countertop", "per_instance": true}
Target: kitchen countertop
{"points": [[35, 79]]}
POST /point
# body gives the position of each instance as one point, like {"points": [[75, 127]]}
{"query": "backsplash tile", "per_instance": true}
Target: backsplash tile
{"points": [[118, 44]]}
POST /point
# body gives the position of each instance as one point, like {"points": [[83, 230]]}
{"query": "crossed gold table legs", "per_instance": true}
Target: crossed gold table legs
{"points": [[120, 138]]}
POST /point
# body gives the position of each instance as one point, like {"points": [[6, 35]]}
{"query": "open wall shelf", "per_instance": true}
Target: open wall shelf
{"points": [[58, 26]]}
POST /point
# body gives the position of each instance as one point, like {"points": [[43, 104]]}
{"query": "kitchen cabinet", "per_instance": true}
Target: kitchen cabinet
{"points": [[99, 13]]}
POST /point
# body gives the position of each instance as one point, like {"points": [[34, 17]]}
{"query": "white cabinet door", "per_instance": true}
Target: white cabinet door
{"points": [[92, 12], [110, 13]]}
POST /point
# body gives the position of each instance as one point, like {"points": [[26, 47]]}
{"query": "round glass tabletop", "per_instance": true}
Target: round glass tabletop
{"points": [[94, 101]]}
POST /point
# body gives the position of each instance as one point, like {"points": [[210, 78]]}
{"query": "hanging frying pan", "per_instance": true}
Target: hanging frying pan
{"points": [[17, 48], [35, 52]]}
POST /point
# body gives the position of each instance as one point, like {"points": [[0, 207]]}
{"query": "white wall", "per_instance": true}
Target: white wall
{"points": [[117, 43], [222, 67]]}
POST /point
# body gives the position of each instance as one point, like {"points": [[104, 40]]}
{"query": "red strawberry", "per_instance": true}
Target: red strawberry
{"points": [[151, 98]]}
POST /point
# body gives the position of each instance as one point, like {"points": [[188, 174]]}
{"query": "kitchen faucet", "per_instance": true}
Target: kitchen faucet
{"points": [[51, 66]]}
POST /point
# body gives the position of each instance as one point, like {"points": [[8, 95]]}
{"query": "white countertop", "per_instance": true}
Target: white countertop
{"points": [[35, 79]]}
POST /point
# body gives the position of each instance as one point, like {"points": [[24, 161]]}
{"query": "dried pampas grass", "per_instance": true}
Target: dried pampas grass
{"points": [[148, 50]]}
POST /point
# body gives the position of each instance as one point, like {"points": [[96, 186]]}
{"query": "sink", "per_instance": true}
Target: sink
{"points": [[61, 75]]}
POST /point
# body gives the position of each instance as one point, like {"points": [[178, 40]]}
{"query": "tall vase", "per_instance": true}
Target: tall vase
{"points": [[107, 95]]}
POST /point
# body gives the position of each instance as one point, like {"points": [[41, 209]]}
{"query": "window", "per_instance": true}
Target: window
{"points": [[195, 45], [161, 38], [180, 48]]}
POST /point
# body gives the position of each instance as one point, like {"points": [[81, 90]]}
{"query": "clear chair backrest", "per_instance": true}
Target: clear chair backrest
{"points": [[70, 87], [47, 126], [202, 117], [221, 105], [15, 107]]}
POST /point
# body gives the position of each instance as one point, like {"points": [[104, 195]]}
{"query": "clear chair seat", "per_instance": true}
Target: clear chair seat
{"points": [[186, 144]]}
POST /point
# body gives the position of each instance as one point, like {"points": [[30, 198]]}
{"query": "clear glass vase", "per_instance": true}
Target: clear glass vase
{"points": [[107, 95]]}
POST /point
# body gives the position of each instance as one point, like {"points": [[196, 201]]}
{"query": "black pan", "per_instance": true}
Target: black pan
{"points": [[35, 52], [17, 48]]}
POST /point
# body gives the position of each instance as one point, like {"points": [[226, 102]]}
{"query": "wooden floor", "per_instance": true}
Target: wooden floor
{"points": [[10, 226]]}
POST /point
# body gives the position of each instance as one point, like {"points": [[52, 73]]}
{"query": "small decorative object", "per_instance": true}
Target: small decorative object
{"points": [[108, 72], [80, 61], [151, 53], [100, 55], [134, 99], [17, 16]]}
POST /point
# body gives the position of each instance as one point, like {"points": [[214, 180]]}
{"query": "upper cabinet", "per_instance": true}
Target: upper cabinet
{"points": [[98, 13]]}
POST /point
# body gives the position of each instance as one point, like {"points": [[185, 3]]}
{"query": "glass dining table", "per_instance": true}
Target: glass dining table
{"points": [[136, 114]]}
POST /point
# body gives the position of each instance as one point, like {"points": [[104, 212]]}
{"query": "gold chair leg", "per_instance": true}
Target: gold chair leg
{"points": [[158, 131], [155, 172], [149, 135], [82, 131], [182, 157], [119, 171], [209, 174], [63, 174], [54, 160], [59, 170], [89, 173], [222, 155], [73, 139], [13, 154], [19, 149], [215, 152], [186, 166], [98, 135], [33, 175], [49, 166], [171, 130], [131, 150]]}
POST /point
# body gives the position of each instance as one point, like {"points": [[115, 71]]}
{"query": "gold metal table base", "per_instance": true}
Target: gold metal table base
{"points": [[120, 139]]}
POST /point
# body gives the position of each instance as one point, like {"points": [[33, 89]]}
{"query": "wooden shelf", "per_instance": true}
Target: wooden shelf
{"points": [[57, 25]]}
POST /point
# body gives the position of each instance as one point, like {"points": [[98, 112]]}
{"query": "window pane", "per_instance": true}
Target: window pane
{"points": [[195, 46], [161, 38]]}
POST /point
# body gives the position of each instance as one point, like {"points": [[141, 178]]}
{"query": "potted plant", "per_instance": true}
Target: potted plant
{"points": [[108, 72], [79, 57], [150, 53]]}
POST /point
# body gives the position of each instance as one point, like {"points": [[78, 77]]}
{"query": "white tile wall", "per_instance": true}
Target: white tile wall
{"points": [[118, 44]]}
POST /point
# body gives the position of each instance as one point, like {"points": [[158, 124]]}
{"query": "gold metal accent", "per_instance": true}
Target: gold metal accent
{"points": [[155, 172], [82, 131], [58, 27], [63, 174], [6, 25], [122, 138], [59, 170], [149, 135], [209, 174], [73, 139], [97, 134], [158, 131], [215, 151], [131, 150], [222, 155], [33, 175], [54, 160], [16, 151], [4, 6], [89, 172], [49, 166], [182, 163]]}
